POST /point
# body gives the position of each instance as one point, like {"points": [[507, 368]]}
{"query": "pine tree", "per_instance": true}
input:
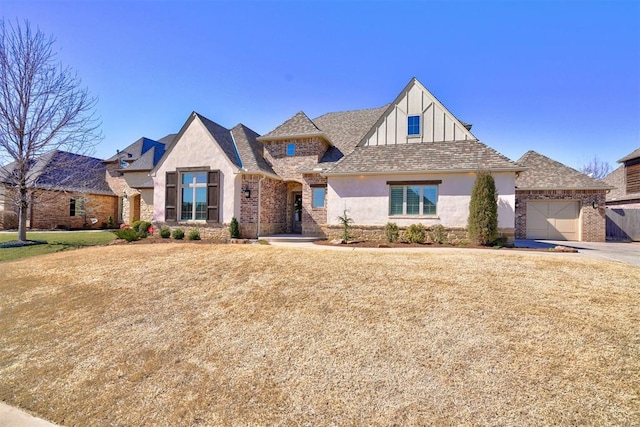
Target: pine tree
{"points": [[483, 210]]}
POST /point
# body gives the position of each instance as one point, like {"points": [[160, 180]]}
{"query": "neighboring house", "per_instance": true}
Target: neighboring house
{"points": [[411, 161], [128, 177], [626, 182], [66, 191], [556, 202]]}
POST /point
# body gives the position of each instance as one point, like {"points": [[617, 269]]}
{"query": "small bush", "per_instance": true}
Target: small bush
{"points": [[165, 232], [346, 222], [194, 234], [438, 234], [8, 220], [391, 232], [135, 224], [142, 228], [415, 233], [234, 228], [110, 222], [127, 234], [178, 234]]}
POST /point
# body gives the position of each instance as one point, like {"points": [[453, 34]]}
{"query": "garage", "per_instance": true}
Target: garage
{"points": [[553, 220]]}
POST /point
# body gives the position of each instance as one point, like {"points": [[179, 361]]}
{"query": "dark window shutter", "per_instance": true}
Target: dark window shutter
{"points": [[213, 196], [72, 207], [171, 197]]}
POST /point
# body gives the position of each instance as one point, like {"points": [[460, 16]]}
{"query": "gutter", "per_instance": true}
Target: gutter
{"points": [[422, 172]]}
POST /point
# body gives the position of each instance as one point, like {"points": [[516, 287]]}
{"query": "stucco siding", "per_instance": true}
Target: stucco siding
{"points": [[196, 149], [366, 199]]}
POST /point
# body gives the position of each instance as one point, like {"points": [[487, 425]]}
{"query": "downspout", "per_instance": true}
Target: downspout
{"points": [[259, 204]]}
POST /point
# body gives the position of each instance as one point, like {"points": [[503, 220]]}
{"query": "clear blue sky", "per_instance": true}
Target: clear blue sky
{"points": [[561, 78]]}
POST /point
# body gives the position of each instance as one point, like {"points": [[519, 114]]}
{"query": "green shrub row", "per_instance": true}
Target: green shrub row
{"points": [[415, 233]]}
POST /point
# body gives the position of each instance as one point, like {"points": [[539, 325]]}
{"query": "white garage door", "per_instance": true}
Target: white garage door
{"points": [[553, 220]]}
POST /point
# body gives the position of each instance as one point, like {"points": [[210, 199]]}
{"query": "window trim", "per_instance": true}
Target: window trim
{"points": [[193, 186], [77, 207], [324, 198], [410, 126], [405, 185]]}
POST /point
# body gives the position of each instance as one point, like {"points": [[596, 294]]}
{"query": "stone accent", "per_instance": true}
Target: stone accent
{"points": [[377, 234], [592, 221]]}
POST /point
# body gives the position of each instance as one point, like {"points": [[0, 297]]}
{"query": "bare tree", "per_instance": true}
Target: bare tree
{"points": [[42, 108], [596, 168]]}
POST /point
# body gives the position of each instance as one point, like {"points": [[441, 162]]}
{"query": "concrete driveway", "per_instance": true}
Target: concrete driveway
{"points": [[627, 253]]}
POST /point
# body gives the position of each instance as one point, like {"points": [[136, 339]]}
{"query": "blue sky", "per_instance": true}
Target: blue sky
{"points": [[561, 78]]}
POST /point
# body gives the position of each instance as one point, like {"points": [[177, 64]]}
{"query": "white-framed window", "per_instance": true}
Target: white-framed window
{"points": [[413, 126], [419, 198], [318, 195], [76, 206], [193, 196], [291, 149]]}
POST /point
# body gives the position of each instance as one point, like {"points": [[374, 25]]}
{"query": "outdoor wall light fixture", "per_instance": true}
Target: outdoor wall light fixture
{"points": [[247, 192], [517, 205], [124, 195], [595, 204]]}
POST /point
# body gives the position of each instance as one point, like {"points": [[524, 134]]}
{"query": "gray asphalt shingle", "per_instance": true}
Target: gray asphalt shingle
{"points": [[546, 173]]}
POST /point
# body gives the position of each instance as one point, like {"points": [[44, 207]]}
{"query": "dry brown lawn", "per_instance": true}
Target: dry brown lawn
{"points": [[180, 334]]}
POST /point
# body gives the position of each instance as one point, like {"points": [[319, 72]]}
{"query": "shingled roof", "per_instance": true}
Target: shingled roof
{"points": [[63, 171], [250, 150], [142, 155], [451, 156], [297, 126], [545, 173], [634, 155]]}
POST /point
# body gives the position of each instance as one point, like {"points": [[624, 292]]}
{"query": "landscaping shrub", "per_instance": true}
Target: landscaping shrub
{"points": [[234, 228], [165, 232], [127, 234], [438, 234], [142, 228], [483, 210], [178, 234], [8, 220], [416, 233], [391, 232], [110, 222], [194, 234], [135, 224], [346, 225]]}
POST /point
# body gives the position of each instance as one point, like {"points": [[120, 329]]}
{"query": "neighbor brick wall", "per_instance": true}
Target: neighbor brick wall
{"points": [[593, 221], [51, 210]]}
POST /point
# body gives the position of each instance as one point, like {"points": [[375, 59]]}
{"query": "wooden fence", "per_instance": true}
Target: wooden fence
{"points": [[623, 224]]}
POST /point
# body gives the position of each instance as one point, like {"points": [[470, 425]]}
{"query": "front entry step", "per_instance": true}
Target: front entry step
{"points": [[291, 238]]}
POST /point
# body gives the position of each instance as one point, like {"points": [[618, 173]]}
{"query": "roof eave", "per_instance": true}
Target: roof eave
{"points": [[422, 171], [258, 172], [564, 188], [286, 137]]}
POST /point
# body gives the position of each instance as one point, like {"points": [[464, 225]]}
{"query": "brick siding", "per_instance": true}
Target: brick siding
{"points": [[593, 221], [50, 210]]}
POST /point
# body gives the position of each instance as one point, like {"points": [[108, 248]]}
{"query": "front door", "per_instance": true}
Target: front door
{"points": [[297, 213]]}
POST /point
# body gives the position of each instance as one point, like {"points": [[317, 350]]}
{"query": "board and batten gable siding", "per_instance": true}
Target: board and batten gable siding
{"points": [[366, 199], [437, 124], [197, 149]]}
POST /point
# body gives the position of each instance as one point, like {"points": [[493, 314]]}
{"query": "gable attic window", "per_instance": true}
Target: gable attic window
{"points": [[413, 198], [123, 163], [291, 149], [413, 126], [192, 196]]}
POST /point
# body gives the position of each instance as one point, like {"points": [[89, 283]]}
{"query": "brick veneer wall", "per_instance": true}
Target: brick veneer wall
{"points": [[272, 212], [313, 218], [593, 221], [51, 210], [308, 152], [207, 230]]}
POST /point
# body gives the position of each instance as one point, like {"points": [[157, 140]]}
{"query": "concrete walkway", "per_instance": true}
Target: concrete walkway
{"points": [[12, 417]]}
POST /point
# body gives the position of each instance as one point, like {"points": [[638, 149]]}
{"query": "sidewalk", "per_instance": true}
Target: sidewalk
{"points": [[12, 417]]}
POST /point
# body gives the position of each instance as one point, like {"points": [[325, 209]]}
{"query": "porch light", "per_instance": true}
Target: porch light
{"points": [[247, 192], [595, 204], [124, 195]]}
